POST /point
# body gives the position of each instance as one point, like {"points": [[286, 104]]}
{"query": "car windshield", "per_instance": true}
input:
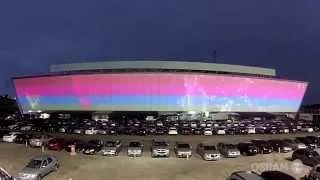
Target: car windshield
{"points": [[209, 148], [160, 143], [183, 146], [134, 144], [34, 164], [110, 144]]}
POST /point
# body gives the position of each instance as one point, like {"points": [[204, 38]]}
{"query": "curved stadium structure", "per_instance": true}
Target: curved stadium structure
{"points": [[158, 86]]}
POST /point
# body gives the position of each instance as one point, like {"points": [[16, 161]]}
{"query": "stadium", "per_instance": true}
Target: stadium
{"points": [[162, 86]]}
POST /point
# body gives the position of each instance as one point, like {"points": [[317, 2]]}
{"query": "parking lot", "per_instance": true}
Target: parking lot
{"points": [[14, 157]]}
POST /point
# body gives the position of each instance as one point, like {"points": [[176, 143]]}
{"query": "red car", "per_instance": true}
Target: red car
{"points": [[56, 144]]}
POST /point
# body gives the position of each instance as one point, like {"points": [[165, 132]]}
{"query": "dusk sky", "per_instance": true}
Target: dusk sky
{"points": [[278, 34]]}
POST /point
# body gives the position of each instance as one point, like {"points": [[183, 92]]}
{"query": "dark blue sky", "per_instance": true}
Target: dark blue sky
{"points": [[277, 34]]}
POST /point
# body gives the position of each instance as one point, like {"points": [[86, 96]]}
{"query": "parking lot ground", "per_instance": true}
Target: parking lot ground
{"points": [[13, 157]]}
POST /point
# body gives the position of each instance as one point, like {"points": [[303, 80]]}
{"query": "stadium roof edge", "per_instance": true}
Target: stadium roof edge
{"points": [[171, 65]]}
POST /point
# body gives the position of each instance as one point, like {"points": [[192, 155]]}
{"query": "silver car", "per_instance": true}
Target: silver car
{"points": [[183, 150], [208, 152], [160, 149], [135, 148], [38, 167], [111, 148], [228, 150]]}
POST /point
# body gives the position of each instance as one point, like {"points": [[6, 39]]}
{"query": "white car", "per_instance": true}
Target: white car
{"points": [[10, 137], [221, 131], [173, 131], [91, 131], [207, 132], [193, 125], [251, 130], [307, 129]]}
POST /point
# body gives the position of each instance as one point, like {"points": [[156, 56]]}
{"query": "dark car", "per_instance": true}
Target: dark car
{"points": [[22, 138], [314, 139], [140, 131], [263, 146], [248, 149], [197, 131], [79, 145], [307, 141], [274, 175], [56, 144], [307, 156], [92, 147], [185, 131], [279, 145], [160, 131]]}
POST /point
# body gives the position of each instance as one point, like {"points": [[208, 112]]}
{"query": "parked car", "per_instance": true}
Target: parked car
{"points": [[245, 175], [208, 152], [220, 131], [160, 131], [78, 131], [140, 131], [111, 148], [228, 150], [307, 141], [173, 131], [294, 144], [92, 147], [39, 140], [198, 131], [251, 130], [135, 148], [22, 138], [56, 144], [307, 129], [273, 175], [279, 145], [207, 132], [4, 175], [160, 148], [185, 131], [10, 137], [314, 140], [38, 167], [306, 156], [79, 145], [248, 149], [263, 146], [183, 150], [26, 128], [91, 131]]}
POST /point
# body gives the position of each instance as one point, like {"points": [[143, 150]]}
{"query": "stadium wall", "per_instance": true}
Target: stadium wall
{"points": [[158, 91]]}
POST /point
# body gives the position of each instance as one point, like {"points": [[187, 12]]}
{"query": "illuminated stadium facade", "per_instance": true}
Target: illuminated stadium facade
{"points": [[158, 86]]}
